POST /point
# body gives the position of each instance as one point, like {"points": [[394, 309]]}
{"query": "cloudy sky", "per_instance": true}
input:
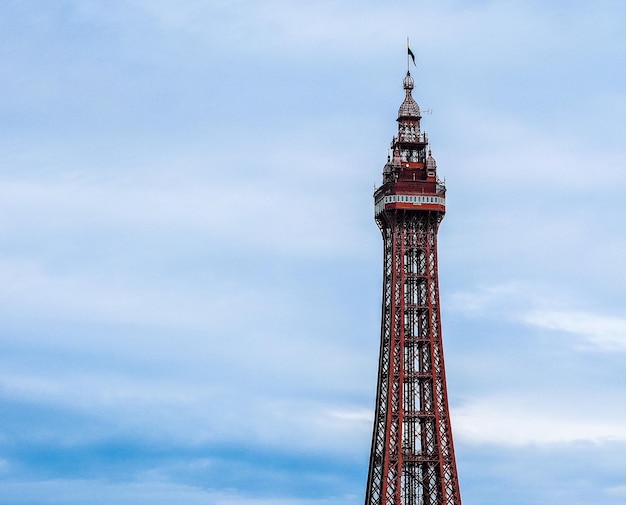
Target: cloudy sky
{"points": [[191, 274]]}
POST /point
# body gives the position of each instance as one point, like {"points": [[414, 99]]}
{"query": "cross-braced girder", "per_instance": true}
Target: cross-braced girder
{"points": [[412, 459]]}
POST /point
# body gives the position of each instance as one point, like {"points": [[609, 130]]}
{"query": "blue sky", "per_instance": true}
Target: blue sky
{"points": [[191, 273]]}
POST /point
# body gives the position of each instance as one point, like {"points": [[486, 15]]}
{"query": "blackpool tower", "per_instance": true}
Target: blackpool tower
{"points": [[412, 458]]}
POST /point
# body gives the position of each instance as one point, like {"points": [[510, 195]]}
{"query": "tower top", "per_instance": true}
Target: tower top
{"points": [[409, 107], [410, 179]]}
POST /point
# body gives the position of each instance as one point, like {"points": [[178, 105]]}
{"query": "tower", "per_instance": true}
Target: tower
{"points": [[412, 458]]}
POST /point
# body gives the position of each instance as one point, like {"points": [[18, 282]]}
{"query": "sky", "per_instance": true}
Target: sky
{"points": [[191, 274]]}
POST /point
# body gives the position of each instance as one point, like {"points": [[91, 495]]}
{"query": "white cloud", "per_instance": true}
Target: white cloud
{"points": [[522, 420], [483, 299], [599, 332], [189, 410], [99, 296], [541, 307], [286, 213]]}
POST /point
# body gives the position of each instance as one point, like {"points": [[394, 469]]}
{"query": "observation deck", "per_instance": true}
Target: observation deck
{"points": [[426, 202], [412, 186]]}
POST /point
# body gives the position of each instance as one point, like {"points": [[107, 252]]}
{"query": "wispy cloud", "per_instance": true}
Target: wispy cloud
{"points": [[98, 492], [519, 420], [482, 300], [533, 305], [189, 257], [101, 296], [599, 332], [187, 411], [618, 491]]}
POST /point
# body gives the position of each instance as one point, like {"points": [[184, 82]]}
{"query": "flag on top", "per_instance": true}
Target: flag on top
{"points": [[411, 53]]}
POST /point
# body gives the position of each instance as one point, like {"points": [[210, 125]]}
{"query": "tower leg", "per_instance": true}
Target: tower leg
{"points": [[412, 458]]}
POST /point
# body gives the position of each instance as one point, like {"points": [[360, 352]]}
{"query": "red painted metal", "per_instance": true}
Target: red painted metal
{"points": [[412, 458]]}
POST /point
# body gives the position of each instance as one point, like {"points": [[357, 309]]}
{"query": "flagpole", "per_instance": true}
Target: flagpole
{"points": [[407, 55]]}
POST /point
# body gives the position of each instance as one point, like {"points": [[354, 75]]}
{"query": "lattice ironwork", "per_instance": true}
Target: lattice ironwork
{"points": [[412, 458]]}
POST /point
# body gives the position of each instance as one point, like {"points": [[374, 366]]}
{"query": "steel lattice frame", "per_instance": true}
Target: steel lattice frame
{"points": [[412, 459]]}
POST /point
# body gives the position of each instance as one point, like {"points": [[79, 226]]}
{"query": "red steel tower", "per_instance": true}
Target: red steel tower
{"points": [[412, 459]]}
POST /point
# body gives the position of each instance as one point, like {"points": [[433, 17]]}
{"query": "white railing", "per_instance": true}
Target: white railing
{"points": [[415, 200]]}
